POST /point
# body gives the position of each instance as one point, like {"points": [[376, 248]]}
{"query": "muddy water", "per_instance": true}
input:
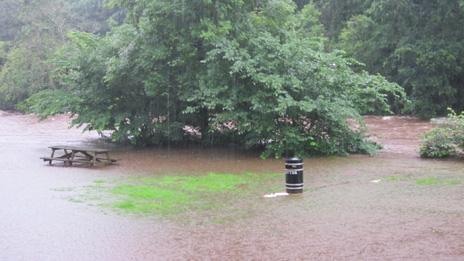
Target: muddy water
{"points": [[342, 215]]}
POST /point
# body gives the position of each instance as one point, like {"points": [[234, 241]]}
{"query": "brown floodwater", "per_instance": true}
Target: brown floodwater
{"points": [[353, 207]]}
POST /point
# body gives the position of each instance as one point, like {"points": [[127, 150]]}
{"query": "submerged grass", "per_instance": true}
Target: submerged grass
{"points": [[397, 178], [431, 181], [174, 194], [146, 199], [425, 181]]}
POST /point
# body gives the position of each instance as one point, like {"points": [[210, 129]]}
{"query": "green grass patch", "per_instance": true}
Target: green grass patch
{"points": [[175, 194], [146, 199], [212, 182], [433, 181], [395, 178]]}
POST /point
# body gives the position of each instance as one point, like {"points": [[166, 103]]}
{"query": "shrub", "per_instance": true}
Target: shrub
{"points": [[438, 143], [446, 140]]}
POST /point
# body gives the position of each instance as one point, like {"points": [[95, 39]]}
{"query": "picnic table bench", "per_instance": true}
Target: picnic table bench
{"points": [[70, 155]]}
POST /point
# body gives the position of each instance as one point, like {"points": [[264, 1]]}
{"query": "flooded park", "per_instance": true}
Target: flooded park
{"points": [[392, 206], [231, 130]]}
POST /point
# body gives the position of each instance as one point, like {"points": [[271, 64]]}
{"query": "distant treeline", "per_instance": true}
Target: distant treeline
{"points": [[279, 74], [30, 33]]}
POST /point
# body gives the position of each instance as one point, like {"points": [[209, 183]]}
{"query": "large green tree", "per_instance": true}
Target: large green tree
{"points": [[249, 72]]}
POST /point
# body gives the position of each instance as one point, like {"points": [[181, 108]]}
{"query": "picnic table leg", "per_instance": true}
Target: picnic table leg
{"points": [[51, 157], [108, 160], [91, 157], [94, 159], [66, 156], [72, 158]]}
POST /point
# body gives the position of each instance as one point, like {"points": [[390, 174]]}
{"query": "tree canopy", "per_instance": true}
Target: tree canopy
{"points": [[31, 33], [418, 44], [255, 74]]}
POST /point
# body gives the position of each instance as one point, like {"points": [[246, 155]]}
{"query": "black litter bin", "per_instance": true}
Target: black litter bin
{"points": [[294, 175]]}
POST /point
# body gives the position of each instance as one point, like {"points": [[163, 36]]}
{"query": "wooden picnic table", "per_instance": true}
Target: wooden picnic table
{"points": [[71, 154]]}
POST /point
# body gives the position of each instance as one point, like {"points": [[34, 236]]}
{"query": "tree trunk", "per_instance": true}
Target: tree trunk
{"points": [[204, 124]]}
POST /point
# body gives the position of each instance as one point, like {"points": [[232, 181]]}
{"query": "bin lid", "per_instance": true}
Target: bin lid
{"points": [[294, 160]]}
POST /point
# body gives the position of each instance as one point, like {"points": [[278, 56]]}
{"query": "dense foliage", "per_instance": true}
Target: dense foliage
{"points": [[418, 44], [31, 32], [253, 74], [446, 140]]}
